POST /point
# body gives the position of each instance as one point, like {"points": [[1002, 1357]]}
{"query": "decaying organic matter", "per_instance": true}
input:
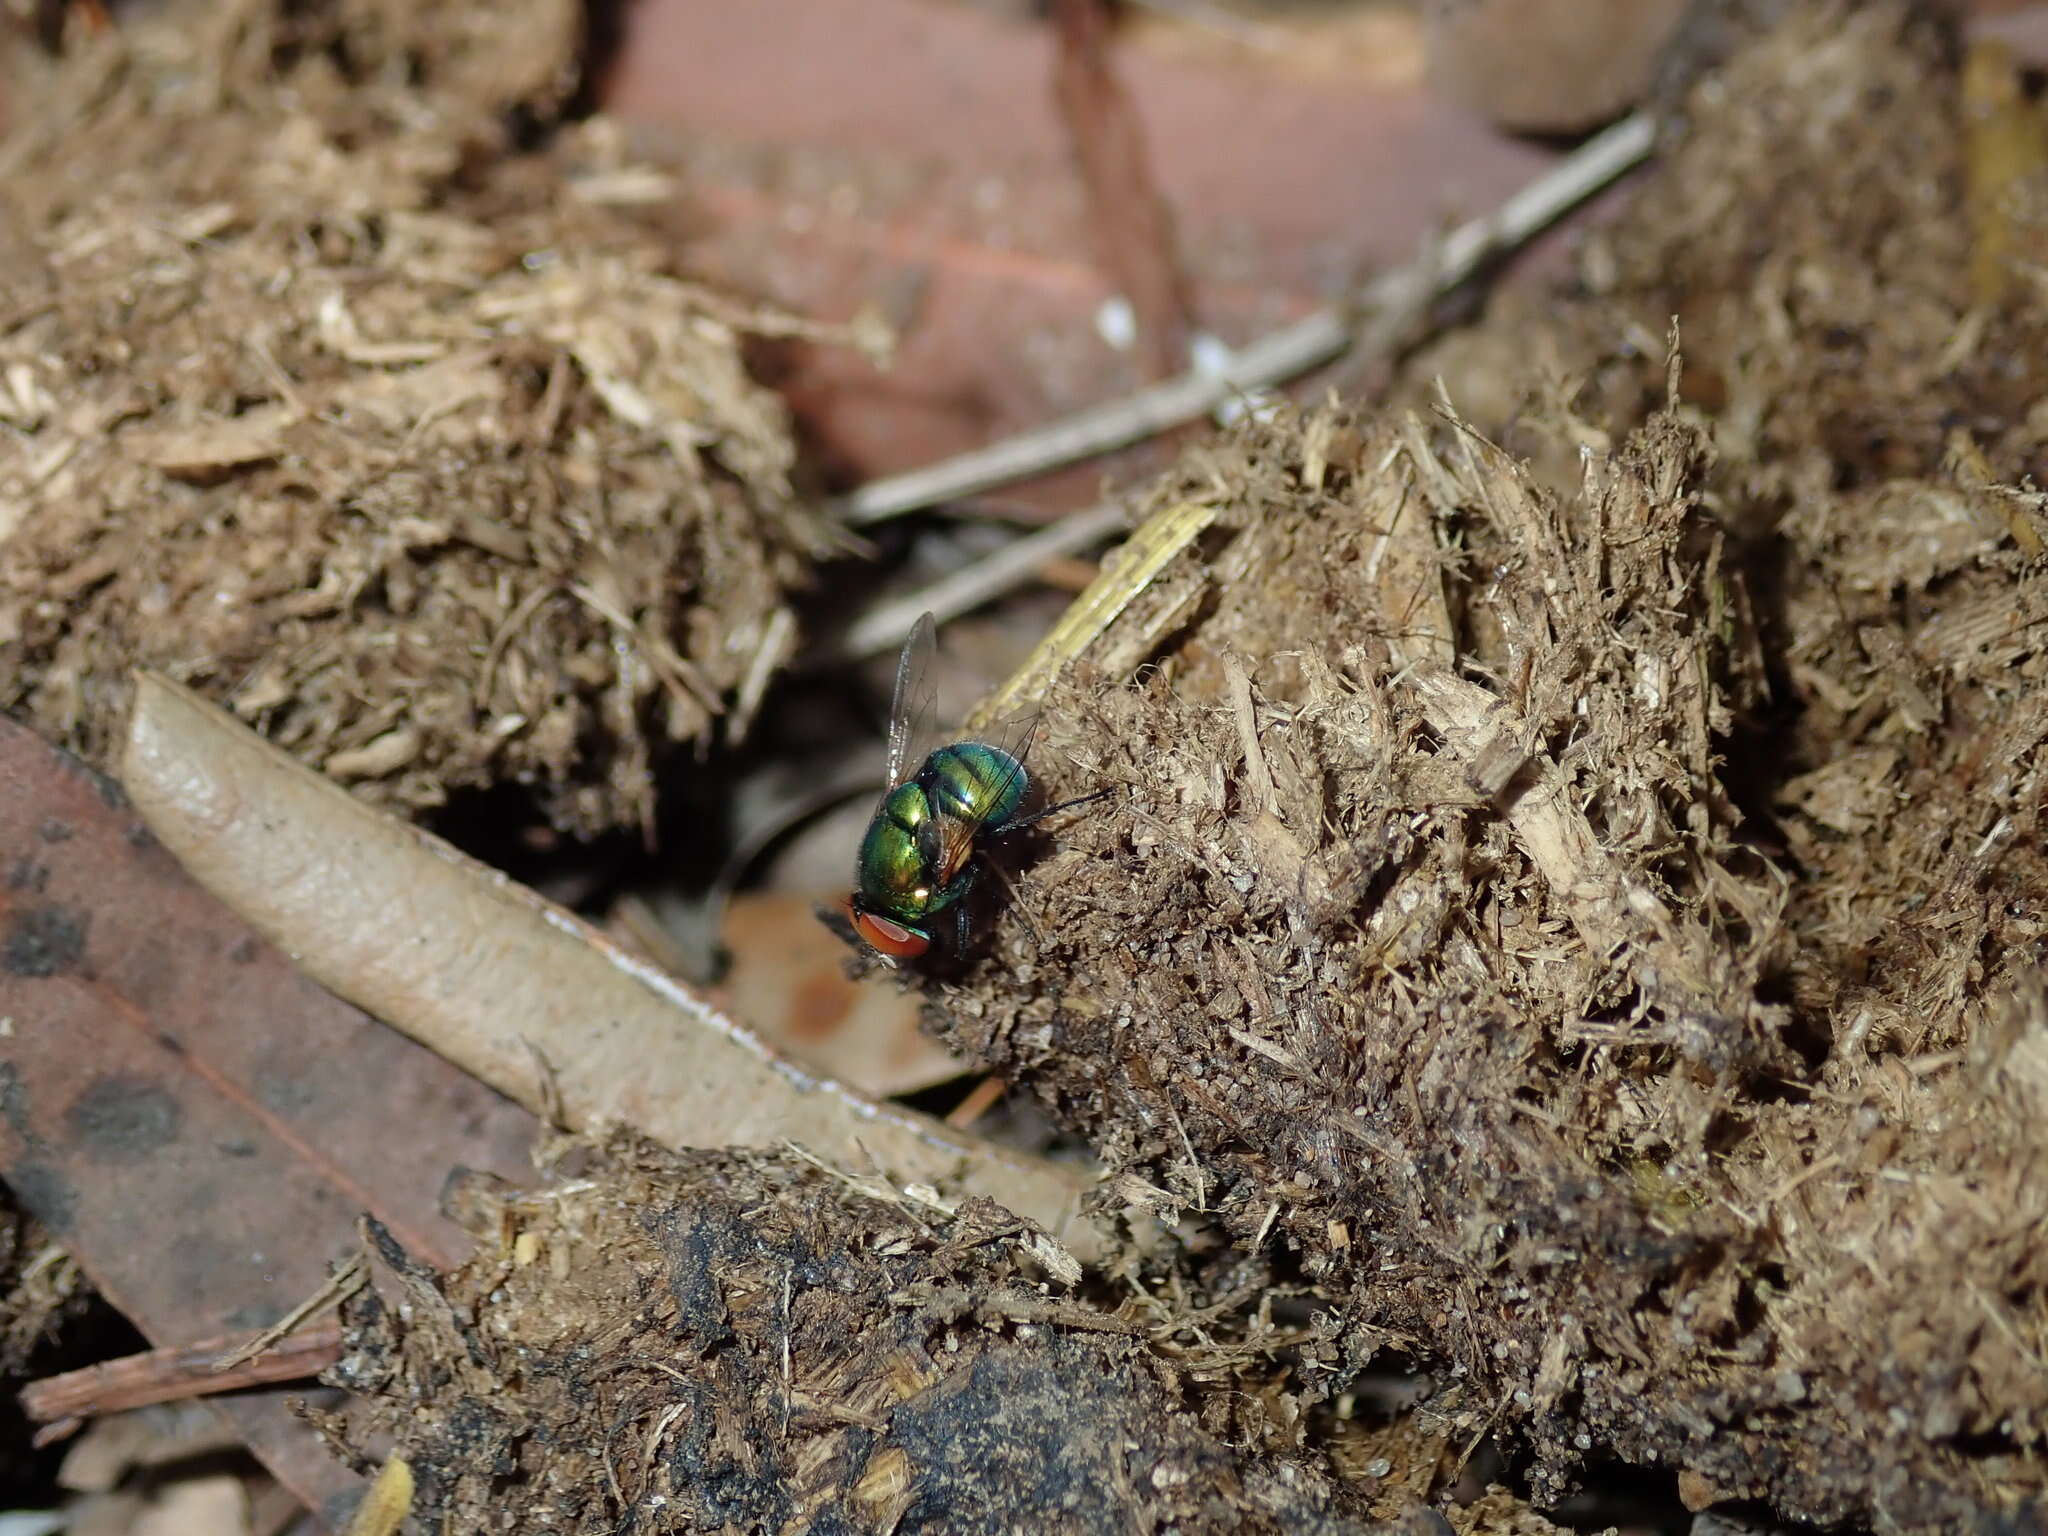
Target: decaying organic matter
{"points": [[40, 1290], [415, 450], [1571, 903], [38, 1287], [1587, 900], [713, 1342]]}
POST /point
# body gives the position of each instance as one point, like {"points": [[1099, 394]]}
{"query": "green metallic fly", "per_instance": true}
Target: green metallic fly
{"points": [[942, 806]]}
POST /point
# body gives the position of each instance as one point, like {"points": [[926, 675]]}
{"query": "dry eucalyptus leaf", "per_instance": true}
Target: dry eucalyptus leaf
{"points": [[498, 980]]}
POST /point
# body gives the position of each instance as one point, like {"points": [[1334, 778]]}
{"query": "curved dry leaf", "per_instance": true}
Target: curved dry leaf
{"points": [[486, 973]]}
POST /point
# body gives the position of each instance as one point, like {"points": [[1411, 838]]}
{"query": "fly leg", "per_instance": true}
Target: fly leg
{"points": [[1022, 822], [954, 895], [1016, 898], [1017, 904]]}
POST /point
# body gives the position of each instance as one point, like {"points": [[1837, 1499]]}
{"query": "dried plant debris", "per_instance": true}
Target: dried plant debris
{"points": [[417, 452], [43, 1295], [1588, 900], [733, 1342], [40, 1288]]}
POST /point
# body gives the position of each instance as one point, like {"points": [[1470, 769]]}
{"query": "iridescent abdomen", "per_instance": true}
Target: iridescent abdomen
{"points": [[973, 782]]}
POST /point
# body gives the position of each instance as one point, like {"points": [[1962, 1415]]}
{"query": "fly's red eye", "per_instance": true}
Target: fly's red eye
{"points": [[891, 939]]}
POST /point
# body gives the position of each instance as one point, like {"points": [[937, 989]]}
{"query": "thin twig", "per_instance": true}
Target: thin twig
{"points": [[1132, 226], [172, 1375], [1126, 573], [980, 1099], [346, 1280], [1272, 360], [883, 628]]}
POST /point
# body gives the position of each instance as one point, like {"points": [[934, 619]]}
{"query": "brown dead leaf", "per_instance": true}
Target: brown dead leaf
{"points": [[192, 1118], [491, 976], [788, 975]]}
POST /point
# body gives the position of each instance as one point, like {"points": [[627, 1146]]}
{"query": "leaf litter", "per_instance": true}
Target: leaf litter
{"points": [[1571, 914]]}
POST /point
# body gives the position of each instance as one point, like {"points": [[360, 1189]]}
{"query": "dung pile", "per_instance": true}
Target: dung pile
{"points": [[414, 450], [1587, 901], [721, 1342]]}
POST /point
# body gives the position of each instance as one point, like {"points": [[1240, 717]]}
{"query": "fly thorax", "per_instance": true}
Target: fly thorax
{"points": [[895, 865], [907, 806]]}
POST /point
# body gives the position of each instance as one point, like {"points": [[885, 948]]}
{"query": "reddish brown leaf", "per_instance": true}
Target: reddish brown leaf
{"points": [[954, 204], [197, 1122], [1132, 227]]}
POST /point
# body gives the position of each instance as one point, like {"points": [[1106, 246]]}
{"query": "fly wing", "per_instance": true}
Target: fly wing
{"points": [[955, 846], [1012, 735], [916, 700], [956, 835]]}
